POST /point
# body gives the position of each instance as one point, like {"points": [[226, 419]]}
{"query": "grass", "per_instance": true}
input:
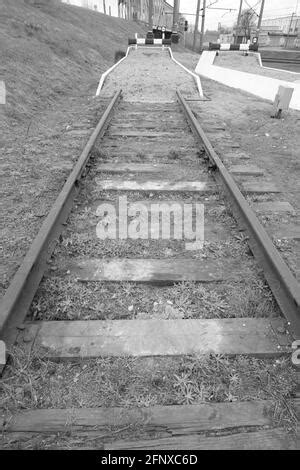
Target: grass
{"points": [[61, 298], [52, 55], [119, 55], [173, 155], [87, 244], [54, 49], [32, 382]]}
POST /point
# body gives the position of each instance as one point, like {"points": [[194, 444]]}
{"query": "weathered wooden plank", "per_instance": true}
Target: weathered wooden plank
{"points": [[164, 271], [236, 156], [219, 136], [129, 123], [144, 108], [140, 338], [272, 439], [139, 133], [246, 170], [178, 138], [162, 186], [164, 119], [78, 133], [133, 167], [135, 153], [227, 144], [142, 146], [289, 232], [213, 128], [213, 230], [274, 206], [261, 187], [172, 419]]}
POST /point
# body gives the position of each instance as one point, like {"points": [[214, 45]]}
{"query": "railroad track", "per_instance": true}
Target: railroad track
{"points": [[281, 59], [146, 343]]}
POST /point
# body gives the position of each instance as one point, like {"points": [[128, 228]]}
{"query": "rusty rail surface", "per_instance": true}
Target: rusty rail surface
{"points": [[24, 284], [283, 284]]}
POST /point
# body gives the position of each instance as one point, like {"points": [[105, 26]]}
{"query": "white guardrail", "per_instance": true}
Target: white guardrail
{"points": [[196, 77], [259, 85], [104, 75]]}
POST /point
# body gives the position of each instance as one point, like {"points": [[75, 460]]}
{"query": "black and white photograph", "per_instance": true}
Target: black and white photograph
{"points": [[149, 229]]}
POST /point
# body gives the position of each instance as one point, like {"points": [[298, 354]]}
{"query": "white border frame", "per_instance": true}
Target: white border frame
{"points": [[196, 77], [104, 75], [273, 68]]}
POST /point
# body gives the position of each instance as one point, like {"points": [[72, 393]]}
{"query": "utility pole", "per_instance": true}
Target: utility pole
{"points": [[202, 25], [196, 25], [175, 15], [128, 9], [238, 21], [150, 15], [260, 17], [288, 33]]}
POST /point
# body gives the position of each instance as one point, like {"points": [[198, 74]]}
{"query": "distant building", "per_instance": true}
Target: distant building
{"points": [[131, 9], [110, 7], [281, 32], [226, 38], [286, 25], [138, 10], [211, 36]]}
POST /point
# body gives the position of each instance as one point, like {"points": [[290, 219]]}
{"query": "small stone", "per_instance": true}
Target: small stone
{"points": [[130, 308], [21, 327], [52, 369], [19, 393], [28, 337], [27, 390]]}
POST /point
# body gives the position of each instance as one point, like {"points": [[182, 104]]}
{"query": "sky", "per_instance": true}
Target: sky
{"points": [[273, 8]]}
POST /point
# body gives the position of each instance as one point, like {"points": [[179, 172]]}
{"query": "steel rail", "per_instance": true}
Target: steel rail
{"points": [[24, 284], [283, 284]]}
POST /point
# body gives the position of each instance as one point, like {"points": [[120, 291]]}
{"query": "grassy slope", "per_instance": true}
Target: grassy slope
{"points": [[49, 49], [51, 58]]}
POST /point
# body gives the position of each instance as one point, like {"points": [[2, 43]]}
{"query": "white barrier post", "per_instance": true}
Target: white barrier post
{"points": [[163, 37], [196, 78], [2, 92]]}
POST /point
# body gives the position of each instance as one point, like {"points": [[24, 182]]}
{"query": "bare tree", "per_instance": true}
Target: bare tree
{"points": [[248, 22]]}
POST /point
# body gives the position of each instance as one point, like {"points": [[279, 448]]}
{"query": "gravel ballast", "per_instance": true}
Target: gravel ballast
{"points": [[157, 79]]}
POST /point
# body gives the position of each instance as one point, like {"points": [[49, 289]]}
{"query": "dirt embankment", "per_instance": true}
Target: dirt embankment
{"points": [[51, 59], [49, 49]]}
